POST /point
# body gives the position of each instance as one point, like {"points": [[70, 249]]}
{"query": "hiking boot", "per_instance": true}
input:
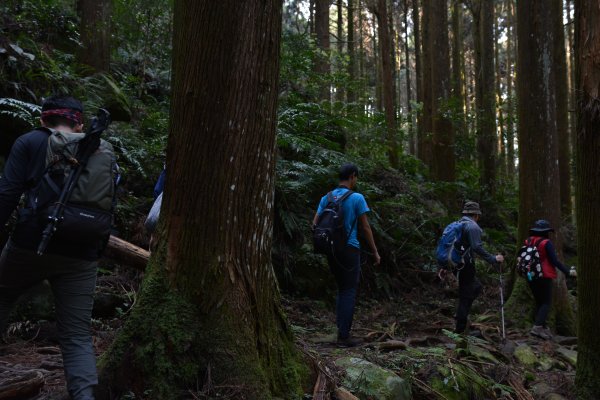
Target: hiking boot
{"points": [[348, 342], [541, 332]]}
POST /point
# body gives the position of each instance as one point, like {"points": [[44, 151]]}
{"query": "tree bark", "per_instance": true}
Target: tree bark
{"points": [[95, 33], [587, 46], [539, 194], [498, 94], [385, 50], [444, 168], [562, 109], [483, 15], [340, 92], [322, 65], [208, 314]]}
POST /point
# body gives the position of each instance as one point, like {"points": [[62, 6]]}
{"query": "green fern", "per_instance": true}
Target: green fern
{"points": [[21, 111]]}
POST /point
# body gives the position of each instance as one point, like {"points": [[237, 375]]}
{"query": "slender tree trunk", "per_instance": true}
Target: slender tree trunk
{"points": [[443, 132], [458, 92], [510, 109], [425, 152], [539, 194], [587, 45], [562, 110], [95, 33], [340, 92], [322, 65], [378, 67], [209, 304], [311, 17], [572, 84], [419, 76], [411, 124], [483, 15], [385, 49], [351, 92], [499, 101]]}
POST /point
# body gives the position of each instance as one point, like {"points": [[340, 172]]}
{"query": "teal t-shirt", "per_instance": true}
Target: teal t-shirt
{"points": [[354, 206]]}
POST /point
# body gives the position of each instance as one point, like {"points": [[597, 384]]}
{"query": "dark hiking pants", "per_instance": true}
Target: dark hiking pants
{"points": [[542, 293], [73, 282], [346, 270], [469, 287]]}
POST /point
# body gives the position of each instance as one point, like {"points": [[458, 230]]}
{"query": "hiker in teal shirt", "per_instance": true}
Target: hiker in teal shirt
{"points": [[345, 265]]}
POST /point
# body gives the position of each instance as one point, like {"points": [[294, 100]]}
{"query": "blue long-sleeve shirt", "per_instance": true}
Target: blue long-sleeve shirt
{"points": [[471, 240]]}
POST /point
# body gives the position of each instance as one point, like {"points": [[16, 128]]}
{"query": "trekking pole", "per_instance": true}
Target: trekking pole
{"points": [[502, 303]]}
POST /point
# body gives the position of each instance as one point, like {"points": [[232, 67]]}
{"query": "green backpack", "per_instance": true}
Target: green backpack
{"points": [[88, 214]]}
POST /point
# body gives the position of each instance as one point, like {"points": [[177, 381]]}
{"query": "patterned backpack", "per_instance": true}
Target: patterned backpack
{"points": [[529, 264]]}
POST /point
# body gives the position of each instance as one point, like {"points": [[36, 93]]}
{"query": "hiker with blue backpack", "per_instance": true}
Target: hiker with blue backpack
{"points": [[459, 243], [341, 213], [537, 263]]}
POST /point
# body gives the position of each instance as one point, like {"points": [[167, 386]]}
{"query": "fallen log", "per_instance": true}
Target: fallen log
{"points": [[19, 384], [127, 253], [343, 394]]}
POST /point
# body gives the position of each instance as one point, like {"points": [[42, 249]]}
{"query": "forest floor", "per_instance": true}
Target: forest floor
{"points": [[409, 336]]}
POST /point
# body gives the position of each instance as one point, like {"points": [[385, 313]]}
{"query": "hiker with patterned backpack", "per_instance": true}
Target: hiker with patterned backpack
{"points": [[341, 213], [467, 244], [40, 165], [541, 283]]}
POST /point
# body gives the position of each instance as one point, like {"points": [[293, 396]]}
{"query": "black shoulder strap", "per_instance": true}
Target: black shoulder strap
{"points": [[345, 195]]}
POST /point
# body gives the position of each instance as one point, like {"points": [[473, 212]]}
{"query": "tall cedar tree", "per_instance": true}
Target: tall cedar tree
{"points": [[458, 92], [351, 90], [322, 65], [483, 15], [95, 33], [587, 44], [444, 168], [209, 304], [539, 188], [562, 109], [510, 131], [411, 130]]}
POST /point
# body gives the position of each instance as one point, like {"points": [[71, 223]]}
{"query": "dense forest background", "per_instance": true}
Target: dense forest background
{"points": [[437, 102]]}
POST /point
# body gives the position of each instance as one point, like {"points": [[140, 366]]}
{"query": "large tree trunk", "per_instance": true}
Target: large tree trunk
{"points": [[562, 109], [95, 33], [443, 132], [380, 10], [587, 45], [483, 15], [208, 314], [322, 65], [539, 194], [425, 148]]}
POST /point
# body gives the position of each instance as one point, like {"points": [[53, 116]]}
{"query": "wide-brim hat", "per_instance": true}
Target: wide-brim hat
{"points": [[541, 226], [471, 208]]}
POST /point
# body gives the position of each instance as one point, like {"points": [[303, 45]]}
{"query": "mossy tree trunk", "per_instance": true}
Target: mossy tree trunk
{"points": [[95, 33], [587, 44], [539, 188], [208, 314]]}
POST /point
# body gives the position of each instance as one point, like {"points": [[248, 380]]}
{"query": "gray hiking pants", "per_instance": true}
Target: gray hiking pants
{"points": [[73, 282]]}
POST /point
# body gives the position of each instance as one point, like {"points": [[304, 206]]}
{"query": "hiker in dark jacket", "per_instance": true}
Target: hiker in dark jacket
{"points": [[469, 286], [345, 265], [542, 287], [68, 265]]}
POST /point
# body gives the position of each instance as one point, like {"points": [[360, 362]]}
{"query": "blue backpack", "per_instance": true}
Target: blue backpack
{"points": [[449, 253]]}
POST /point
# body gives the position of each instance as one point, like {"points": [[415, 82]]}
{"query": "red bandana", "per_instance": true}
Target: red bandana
{"points": [[67, 113]]}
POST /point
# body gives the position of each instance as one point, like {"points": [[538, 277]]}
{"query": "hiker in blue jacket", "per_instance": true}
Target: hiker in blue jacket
{"points": [[469, 286], [345, 265]]}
